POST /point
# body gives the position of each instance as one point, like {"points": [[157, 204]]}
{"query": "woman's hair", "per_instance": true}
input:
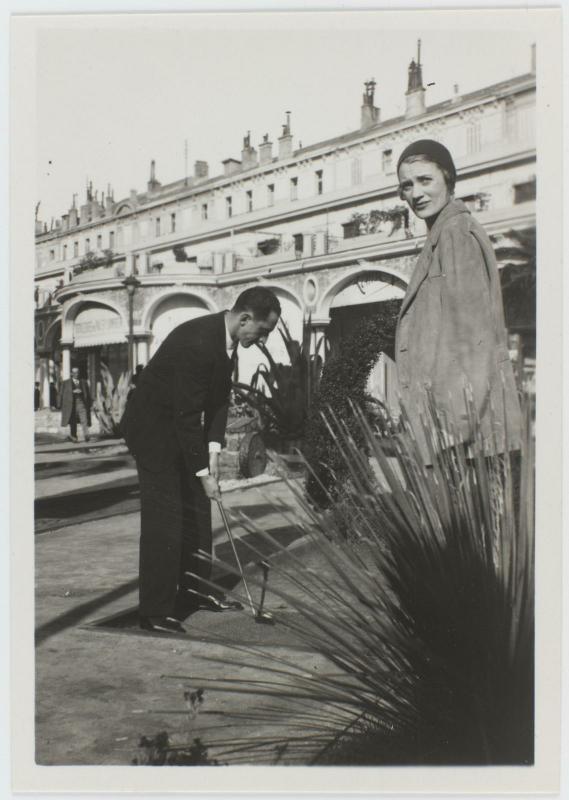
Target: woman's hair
{"points": [[450, 179]]}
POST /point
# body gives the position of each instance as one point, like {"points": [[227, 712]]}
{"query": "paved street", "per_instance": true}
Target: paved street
{"points": [[98, 677], [74, 485]]}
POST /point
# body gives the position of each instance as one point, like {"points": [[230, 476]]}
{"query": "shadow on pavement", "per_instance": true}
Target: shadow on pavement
{"points": [[284, 535], [85, 504], [75, 615], [52, 469], [126, 621], [256, 510]]}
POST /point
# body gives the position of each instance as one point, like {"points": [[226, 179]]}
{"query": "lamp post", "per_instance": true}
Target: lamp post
{"points": [[131, 284]]}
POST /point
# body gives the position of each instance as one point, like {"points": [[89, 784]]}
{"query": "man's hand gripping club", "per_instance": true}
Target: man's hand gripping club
{"points": [[210, 482]]}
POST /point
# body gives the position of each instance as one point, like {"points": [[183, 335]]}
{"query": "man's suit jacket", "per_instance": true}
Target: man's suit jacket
{"points": [[67, 400], [189, 375]]}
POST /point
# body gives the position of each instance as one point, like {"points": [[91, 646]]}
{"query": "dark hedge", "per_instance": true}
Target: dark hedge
{"points": [[344, 380]]}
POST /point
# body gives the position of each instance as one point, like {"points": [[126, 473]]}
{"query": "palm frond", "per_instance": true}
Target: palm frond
{"points": [[110, 402]]}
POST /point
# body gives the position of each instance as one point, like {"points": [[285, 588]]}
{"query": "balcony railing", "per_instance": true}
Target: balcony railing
{"points": [[290, 248]]}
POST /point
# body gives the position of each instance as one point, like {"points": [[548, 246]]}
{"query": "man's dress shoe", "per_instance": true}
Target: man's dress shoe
{"points": [[222, 603], [162, 625], [201, 602]]}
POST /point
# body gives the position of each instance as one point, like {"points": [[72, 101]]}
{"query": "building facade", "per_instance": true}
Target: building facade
{"points": [[322, 225]]}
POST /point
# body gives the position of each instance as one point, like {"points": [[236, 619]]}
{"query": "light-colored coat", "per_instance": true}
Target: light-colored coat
{"points": [[451, 335]]}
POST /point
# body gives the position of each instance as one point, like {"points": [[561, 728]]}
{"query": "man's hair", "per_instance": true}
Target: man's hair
{"points": [[259, 301]]}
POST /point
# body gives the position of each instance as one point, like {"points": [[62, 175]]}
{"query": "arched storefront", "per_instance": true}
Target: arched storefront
{"points": [[356, 295], [362, 298], [99, 337], [171, 312], [48, 361], [359, 296], [292, 315]]}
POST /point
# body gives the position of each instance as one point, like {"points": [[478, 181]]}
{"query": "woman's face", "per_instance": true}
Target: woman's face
{"points": [[422, 185]]}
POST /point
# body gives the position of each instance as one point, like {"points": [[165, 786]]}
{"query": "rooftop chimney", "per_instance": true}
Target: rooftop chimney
{"points": [[285, 139], [265, 150], [369, 113], [231, 166], [248, 154], [415, 94], [98, 207], [201, 169], [153, 184], [85, 214], [109, 201], [73, 216]]}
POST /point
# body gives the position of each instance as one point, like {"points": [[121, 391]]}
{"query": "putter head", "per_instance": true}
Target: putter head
{"points": [[264, 618]]}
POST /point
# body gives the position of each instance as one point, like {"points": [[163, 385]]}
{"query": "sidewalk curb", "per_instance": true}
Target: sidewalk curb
{"points": [[131, 481]]}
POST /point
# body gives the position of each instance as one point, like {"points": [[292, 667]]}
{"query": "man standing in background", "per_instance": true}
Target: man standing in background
{"points": [[76, 405]]}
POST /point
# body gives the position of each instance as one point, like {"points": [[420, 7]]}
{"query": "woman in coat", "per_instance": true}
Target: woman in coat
{"points": [[451, 336]]}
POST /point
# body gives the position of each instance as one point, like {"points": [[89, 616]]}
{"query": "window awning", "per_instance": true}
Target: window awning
{"points": [[97, 326]]}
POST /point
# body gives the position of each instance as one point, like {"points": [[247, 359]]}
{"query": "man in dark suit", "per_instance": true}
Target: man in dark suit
{"points": [[177, 455], [76, 404]]}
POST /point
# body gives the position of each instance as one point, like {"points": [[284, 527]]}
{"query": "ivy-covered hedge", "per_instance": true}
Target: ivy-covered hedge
{"points": [[344, 380]]}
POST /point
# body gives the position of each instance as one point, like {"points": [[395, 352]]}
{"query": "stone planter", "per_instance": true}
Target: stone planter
{"points": [[244, 442]]}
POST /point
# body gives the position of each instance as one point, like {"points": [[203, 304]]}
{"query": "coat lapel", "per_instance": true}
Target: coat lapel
{"points": [[426, 256]]}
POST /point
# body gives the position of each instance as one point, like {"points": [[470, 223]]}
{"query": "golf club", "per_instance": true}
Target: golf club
{"points": [[260, 615], [264, 616]]}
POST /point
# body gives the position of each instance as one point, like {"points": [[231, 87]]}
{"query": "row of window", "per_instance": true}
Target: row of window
{"points": [[111, 245], [293, 187], [387, 166], [86, 246], [523, 192], [158, 225], [293, 194]]}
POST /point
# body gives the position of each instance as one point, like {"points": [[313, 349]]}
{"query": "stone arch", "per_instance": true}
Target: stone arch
{"points": [[123, 208], [282, 290], [292, 313], [72, 309], [53, 335], [177, 291], [388, 274], [52, 365], [172, 308]]}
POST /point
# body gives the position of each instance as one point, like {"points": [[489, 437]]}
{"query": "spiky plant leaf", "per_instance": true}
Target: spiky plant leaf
{"points": [[417, 633], [110, 402]]}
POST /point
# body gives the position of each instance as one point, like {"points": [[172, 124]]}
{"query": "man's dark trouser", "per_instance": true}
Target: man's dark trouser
{"points": [[78, 412], [175, 517]]}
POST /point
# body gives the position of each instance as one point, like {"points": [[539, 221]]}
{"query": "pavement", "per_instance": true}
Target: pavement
{"points": [[100, 680]]}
